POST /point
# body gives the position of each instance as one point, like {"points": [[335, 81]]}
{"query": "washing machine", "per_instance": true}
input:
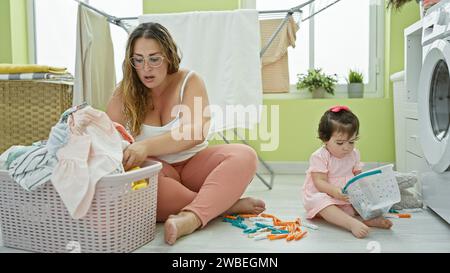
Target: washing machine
{"points": [[433, 100]]}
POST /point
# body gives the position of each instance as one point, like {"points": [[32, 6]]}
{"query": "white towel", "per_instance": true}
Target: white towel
{"points": [[223, 48]]}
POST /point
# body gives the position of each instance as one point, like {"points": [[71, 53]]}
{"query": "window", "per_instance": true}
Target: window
{"points": [[347, 35], [55, 30]]}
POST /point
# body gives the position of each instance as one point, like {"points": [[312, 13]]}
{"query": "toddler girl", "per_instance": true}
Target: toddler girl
{"points": [[331, 166]]}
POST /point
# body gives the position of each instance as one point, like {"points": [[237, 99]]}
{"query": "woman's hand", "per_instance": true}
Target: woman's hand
{"points": [[134, 155], [337, 193]]}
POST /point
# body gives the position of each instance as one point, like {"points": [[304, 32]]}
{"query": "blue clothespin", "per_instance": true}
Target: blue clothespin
{"points": [[262, 225], [239, 225], [279, 231], [272, 228], [228, 220], [252, 230]]}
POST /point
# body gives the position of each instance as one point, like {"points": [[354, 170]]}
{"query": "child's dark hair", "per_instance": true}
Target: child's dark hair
{"points": [[338, 119]]}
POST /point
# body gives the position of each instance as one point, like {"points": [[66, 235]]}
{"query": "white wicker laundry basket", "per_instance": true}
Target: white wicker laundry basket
{"points": [[119, 220]]}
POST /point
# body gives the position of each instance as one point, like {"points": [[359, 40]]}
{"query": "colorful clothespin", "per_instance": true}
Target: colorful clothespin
{"points": [[392, 211]]}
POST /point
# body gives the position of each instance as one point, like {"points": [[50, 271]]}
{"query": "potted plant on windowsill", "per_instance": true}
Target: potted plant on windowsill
{"points": [[317, 82], [355, 85]]}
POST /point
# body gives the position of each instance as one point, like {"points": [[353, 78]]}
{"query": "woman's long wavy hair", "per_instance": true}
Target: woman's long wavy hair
{"points": [[134, 94]]}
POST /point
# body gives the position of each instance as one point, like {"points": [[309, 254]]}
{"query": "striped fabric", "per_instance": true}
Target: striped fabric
{"points": [[33, 168], [36, 76]]}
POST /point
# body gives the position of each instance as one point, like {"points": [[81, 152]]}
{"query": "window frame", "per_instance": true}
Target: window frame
{"points": [[118, 59], [31, 24], [375, 86]]}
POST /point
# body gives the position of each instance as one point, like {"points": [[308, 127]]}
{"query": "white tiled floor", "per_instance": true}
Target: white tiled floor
{"points": [[424, 232]]}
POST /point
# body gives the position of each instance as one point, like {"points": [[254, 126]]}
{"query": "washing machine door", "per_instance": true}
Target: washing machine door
{"points": [[434, 106]]}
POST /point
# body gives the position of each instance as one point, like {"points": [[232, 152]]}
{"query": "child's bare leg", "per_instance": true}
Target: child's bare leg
{"points": [[335, 215], [379, 222]]}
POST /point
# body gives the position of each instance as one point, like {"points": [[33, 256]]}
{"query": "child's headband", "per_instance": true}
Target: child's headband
{"points": [[338, 108]]}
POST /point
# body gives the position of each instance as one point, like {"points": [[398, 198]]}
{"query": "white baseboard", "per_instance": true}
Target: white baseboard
{"points": [[300, 167]]}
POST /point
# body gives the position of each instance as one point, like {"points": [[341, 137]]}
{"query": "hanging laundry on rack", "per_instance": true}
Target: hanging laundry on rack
{"points": [[94, 150], [223, 47], [275, 68], [95, 78]]}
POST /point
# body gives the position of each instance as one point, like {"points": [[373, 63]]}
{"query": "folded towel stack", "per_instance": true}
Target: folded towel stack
{"points": [[33, 72]]}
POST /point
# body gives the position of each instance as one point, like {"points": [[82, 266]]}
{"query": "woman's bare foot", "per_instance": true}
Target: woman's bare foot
{"points": [[179, 225], [247, 205], [359, 229], [379, 222]]}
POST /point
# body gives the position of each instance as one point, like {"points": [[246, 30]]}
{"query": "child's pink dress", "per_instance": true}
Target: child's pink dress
{"points": [[339, 171]]}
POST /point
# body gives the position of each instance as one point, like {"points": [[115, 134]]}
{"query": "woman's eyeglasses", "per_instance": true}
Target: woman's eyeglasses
{"points": [[152, 61]]}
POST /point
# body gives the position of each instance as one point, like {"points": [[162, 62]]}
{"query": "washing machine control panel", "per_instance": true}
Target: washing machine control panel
{"points": [[436, 24]]}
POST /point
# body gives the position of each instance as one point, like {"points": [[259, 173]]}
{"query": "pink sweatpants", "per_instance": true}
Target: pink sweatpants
{"points": [[208, 183]]}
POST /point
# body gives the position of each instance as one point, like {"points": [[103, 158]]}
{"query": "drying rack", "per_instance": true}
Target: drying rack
{"points": [[121, 22]]}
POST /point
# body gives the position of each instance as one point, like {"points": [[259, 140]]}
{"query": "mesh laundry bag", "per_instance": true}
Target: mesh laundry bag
{"points": [[373, 193]]}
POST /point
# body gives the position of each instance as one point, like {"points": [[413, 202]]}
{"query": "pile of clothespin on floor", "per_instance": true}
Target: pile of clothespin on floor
{"points": [[396, 214], [267, 226]]}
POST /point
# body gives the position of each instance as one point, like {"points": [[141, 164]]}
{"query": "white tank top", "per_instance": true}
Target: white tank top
{"points": [[148, 131]]}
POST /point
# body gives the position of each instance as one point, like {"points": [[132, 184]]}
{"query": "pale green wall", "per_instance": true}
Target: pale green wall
{"points": [[396, 21], [19, 31], [298, 128], [13, 32], [5, 32]]}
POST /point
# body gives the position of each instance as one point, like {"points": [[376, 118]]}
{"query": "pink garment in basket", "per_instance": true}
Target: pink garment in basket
{"points": [[93, 151]]}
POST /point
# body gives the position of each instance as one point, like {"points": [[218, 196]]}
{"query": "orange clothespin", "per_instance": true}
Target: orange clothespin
{"points": [[266, 215], [299, 235], [230, 217], [404, 215], [248, 215], [290, 236], [292, 227], [277, 236], [275, 219], [280, 223]]}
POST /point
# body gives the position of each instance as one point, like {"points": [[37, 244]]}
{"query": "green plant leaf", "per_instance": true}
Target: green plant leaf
{"points": [[315, 79], [355, 77]]}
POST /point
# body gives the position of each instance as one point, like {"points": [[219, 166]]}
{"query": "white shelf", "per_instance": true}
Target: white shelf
{"points": [[414, 29], [413, 59]]}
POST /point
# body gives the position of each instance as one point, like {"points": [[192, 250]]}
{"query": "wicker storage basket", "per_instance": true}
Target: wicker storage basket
{"points": [[119, 220], [28, 110]]}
